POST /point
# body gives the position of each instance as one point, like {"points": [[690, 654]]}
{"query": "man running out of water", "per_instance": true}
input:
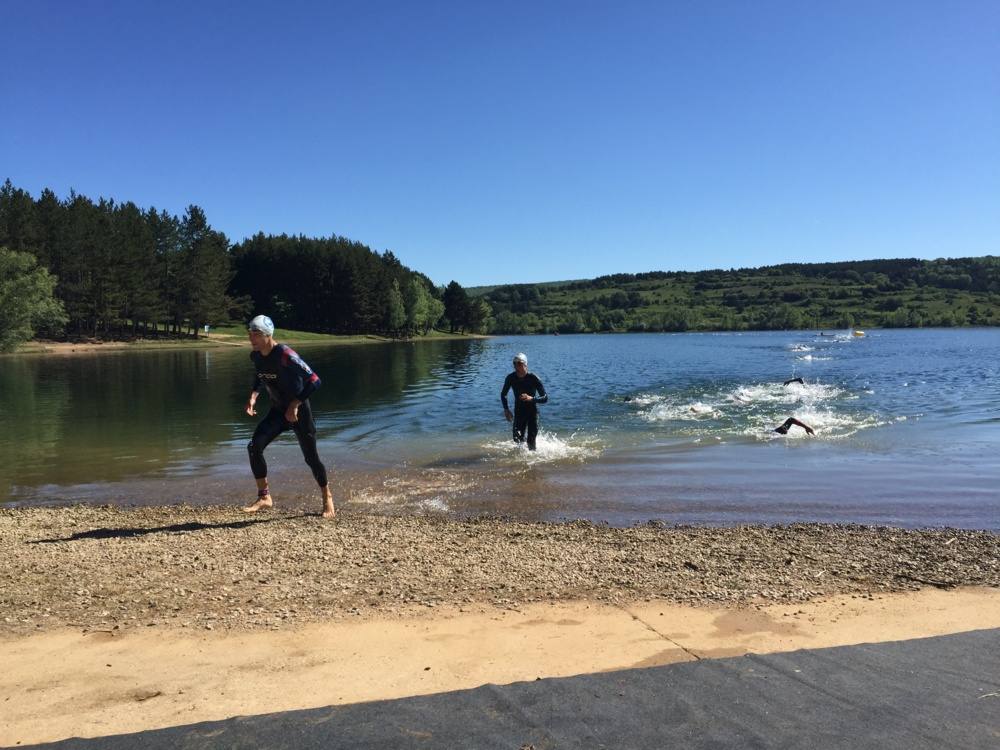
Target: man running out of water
{"points": [[528, 393], [289, 383]]}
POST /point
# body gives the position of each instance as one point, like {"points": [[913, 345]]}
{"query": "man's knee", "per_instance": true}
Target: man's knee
{"points": [[255, 449]]}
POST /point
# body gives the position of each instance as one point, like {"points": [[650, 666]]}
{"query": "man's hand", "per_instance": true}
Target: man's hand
{"points": [[292, 413], [508, 415], [809, 430], [250, 405], [526, 397]]}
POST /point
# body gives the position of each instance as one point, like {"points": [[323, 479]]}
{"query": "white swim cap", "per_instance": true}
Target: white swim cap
{"points": [[521, 357], [263, 324]]}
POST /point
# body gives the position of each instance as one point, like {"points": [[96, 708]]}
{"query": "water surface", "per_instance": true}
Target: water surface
{"points": [[670, 427]]}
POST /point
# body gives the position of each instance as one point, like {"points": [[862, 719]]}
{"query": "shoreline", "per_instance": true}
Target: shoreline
{"points": [[205, 567], [210, 341]]}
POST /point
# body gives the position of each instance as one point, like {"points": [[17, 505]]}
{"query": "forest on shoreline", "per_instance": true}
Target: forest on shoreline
{"points": [[898, 293], [74, 268]]}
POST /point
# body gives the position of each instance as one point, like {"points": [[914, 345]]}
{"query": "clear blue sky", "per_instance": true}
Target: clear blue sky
{"points": [[526, 141]]}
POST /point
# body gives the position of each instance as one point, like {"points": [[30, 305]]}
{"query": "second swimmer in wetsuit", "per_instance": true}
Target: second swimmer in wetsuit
{"points": [[528, 393]]}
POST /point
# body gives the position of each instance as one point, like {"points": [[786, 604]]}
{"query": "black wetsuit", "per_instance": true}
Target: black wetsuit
{"points": [[525, 412], [286, 377]]}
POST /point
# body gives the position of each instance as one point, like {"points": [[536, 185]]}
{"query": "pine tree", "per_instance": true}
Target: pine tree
{"points": [[456, 306]]}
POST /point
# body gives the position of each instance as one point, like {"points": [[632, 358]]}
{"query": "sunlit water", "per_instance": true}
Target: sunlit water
{"points": [[670, 427]]}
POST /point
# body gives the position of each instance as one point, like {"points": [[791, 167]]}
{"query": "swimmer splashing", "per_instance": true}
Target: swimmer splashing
{"points": [[528, 393]]}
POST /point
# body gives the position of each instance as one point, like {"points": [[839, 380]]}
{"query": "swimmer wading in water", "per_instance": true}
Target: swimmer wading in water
{"points": [[528, 393]]}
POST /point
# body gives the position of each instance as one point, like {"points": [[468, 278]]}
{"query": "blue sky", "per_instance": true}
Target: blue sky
{"points": [[519, 142]]}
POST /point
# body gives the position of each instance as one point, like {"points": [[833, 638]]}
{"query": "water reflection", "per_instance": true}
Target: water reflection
{"points": [[674, 427], [83, 420]]}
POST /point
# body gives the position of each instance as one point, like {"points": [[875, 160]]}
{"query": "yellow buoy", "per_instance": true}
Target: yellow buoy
{"points": [[859, 333]]}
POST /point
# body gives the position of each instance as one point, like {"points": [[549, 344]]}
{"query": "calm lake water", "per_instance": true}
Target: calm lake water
{"points": [[639, 427]]}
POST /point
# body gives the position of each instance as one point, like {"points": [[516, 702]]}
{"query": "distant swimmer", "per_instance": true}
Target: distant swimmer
{"points": [[794, 380], [289, 383], [528, 393], [783, 429]]}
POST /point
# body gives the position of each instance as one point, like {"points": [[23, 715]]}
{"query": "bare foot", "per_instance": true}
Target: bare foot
{"points": [[263, 504], [328, 511]]}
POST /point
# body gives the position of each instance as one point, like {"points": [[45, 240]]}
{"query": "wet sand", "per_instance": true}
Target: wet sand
{"points": [[117, 620]]}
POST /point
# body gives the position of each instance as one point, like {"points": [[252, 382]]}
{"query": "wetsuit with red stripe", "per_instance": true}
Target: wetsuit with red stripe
{"points": [[286, 377]]}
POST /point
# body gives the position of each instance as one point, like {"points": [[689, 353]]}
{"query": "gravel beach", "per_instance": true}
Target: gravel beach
{"points": [[216, 568]]}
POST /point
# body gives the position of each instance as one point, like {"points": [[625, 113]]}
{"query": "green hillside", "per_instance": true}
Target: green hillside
{"points": [[875, 293]]}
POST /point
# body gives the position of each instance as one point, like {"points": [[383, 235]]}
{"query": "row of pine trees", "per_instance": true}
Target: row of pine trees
{"points": [[121, 269], [125, 271]]}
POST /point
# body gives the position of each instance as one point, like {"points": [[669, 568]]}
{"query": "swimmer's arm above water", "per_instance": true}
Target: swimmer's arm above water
{"points": [[783, 429]]}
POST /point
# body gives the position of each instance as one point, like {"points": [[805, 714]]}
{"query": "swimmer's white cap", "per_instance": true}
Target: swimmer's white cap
{"points": [[263, 324], [521, 357]]}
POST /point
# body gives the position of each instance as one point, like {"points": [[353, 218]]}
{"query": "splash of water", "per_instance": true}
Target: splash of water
{"points": [[753, 410], [549, 447], [428, 489]]}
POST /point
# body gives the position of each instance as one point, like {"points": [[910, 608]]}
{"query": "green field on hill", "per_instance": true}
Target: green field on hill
{"points": [[878, 293]]}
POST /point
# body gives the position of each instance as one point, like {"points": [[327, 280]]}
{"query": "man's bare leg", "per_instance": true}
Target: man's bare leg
{"points": [[328, 511], [264, 500]]}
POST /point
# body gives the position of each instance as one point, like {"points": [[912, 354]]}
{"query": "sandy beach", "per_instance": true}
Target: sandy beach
{"points": [[121, 619]]}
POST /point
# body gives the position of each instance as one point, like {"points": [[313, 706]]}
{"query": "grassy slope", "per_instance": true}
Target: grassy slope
{"points": [[719, 299]]}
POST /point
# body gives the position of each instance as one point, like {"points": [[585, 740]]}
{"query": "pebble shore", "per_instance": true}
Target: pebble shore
{"points": [[215, 568]]}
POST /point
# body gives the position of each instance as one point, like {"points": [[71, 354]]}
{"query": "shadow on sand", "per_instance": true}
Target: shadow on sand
{"points": [[177, 528]]}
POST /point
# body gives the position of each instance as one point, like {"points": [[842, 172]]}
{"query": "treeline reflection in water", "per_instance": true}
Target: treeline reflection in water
{"points": [[674, 427]]}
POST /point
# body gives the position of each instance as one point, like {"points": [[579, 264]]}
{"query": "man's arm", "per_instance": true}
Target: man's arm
{"points": [[542, 396], [503, 399], [309, 387], [503, 393], [310, 380], [803, 425], [254, 389], [783, 429], [301, 373]]}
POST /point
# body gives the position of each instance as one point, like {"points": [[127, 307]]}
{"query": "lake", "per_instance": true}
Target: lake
{"points": [[639, 427]]}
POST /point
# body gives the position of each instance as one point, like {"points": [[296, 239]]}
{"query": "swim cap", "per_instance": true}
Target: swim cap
{"points": [[521, 357], [263, 324]]}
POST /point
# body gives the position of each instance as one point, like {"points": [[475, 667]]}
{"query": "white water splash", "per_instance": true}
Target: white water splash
{"points": [[753, 411], [549, 447], [427, 489], [785, 394], [665, 411], [645, 399]]}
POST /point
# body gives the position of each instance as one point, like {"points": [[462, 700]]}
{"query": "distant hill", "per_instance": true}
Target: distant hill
{"points": [[873, 293], [479, 291]]}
